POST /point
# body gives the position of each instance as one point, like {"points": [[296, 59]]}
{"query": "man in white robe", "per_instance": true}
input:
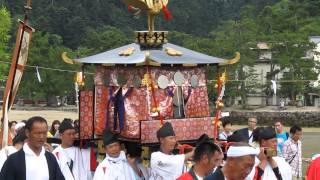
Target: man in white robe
{"points": [[115, 165], [269, 167], [165, 165], [134, 151], [73, 161], [17, 142]]}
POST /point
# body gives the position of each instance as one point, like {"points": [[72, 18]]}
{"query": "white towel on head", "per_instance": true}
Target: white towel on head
{"points": [[238, 151], [19, 125]]}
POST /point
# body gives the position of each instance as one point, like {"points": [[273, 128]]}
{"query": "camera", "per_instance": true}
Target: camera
{"points": [[269, 152]]}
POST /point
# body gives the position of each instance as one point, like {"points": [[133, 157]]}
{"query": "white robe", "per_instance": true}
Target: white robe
{"points": [[5, 152], [166, 167], [284, 168], [145, 172], [114, 169], [81, 162]]}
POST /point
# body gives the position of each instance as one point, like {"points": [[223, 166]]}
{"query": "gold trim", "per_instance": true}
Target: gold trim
{"points": [[148, 62], [189, 65], [108, 65], [232, 61], [66, 59]]}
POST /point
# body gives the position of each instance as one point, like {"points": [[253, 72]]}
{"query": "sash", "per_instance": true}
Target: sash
{"points": [[119, 108]]}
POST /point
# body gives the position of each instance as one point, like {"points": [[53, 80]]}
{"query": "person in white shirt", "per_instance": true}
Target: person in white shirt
{"points": [[17, 142], [73, 161], [32, 162], [115, 165], [133, 151], [165, 165]]}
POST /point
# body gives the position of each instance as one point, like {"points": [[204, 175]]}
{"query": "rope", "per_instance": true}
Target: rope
{"points": [[210, 81], [47, 68]]}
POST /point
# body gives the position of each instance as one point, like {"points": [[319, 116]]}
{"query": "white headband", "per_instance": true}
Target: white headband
{"points": [[237, 151], [19, 125]]}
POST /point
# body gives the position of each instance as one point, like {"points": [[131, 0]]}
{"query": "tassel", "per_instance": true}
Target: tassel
{"points": [[130, 8], [93, 161], [167, 14], [184, 147]]}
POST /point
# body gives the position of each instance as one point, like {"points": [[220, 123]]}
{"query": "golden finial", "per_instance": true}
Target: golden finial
{"points": [[152, 7]]}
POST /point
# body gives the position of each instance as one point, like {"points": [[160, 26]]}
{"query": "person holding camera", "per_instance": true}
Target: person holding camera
{"points": [[269, 166]]}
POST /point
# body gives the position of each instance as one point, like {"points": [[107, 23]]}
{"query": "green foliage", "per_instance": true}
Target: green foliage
{"points": [[215, 27], [46, 51], [70, 19], [105, 38], [290, 42], [238, 35], [5, 25]]}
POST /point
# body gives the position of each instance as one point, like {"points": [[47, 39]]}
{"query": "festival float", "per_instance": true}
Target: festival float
{"points": [[139, 86]]}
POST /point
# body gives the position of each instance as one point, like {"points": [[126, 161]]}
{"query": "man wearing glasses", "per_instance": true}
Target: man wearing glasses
{"points": [[247, 132]]}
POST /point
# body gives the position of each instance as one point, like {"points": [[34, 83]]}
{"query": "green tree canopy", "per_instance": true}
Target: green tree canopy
{"points": [[5, 25]]}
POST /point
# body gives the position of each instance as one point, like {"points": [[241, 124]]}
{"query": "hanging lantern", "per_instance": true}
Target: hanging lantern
{"points": [[79, 78]]}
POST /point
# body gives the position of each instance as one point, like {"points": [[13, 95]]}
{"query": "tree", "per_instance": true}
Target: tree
{"points": [[5, 25], [290, 42], [238, 35], [105, 38], [45, 51]]}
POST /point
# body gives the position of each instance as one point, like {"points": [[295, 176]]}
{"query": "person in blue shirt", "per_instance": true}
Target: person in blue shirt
{"points": [[282, 136]]}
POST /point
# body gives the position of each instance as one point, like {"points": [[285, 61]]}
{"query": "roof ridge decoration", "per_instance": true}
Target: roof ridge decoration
{"points": [[151, 39], [231, 61], [172, 52], [66, 59], [127, 52]]}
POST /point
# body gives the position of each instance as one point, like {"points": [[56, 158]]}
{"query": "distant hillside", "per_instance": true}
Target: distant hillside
{"points": [[71, 18]]}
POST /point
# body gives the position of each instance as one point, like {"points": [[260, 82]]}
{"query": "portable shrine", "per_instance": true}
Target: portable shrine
{"points": [[139, 86]]}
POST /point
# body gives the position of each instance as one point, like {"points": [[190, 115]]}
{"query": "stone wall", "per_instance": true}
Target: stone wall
{"points": [[308, 119]]}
